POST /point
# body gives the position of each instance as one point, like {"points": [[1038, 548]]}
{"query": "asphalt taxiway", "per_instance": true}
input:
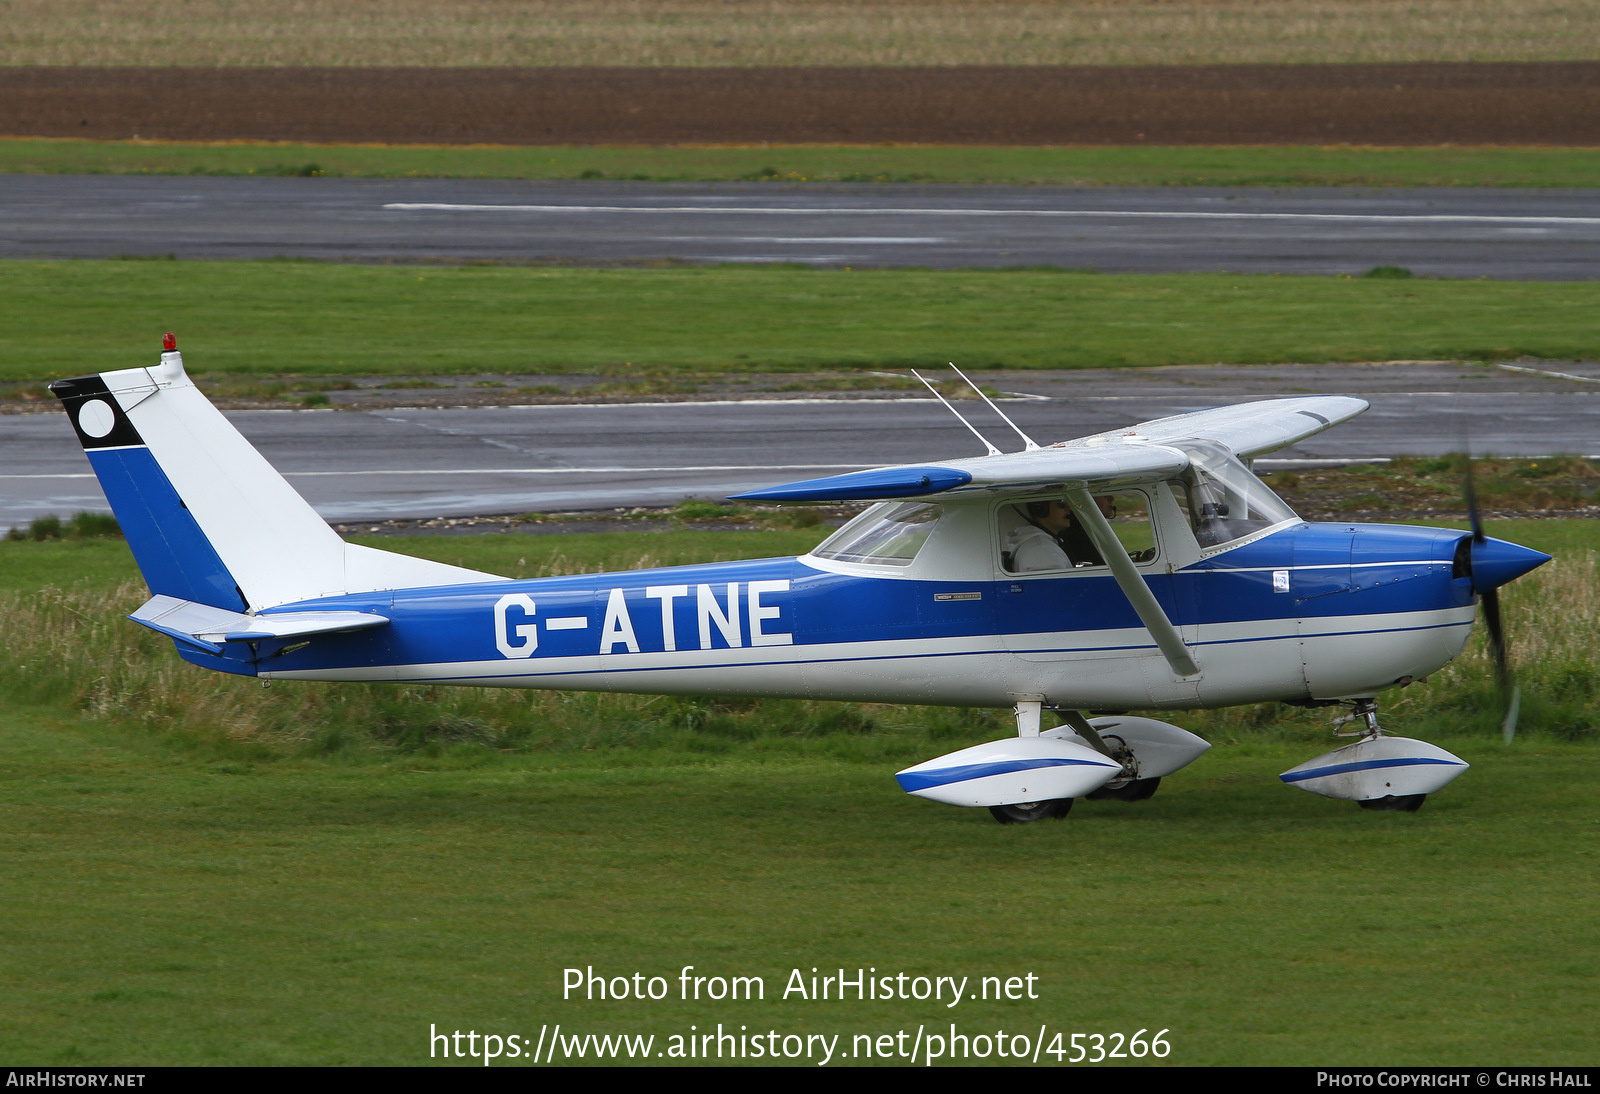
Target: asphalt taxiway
{"points": [[442, 461], [1511, 233]]}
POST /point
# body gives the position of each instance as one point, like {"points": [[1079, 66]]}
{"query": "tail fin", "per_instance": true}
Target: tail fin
{"points": [[208, 519]]}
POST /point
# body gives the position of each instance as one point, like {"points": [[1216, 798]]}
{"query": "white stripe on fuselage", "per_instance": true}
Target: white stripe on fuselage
{"points": [[972, 669]]}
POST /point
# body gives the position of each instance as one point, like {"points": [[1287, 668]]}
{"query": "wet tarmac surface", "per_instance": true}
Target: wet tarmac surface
{"points": [[438, 461], [1506, 233]]}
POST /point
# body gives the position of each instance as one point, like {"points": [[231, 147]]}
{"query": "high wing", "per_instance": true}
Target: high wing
{"points": [[1251, 429], [1145, 452]]}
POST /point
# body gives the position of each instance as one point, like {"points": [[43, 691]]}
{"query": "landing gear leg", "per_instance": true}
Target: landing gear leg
{"points": [[1129, 787], [1027, 712], [1364, 711]]}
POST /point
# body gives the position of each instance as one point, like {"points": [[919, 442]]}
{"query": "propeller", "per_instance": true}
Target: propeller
{"points": [[1486, 565]]}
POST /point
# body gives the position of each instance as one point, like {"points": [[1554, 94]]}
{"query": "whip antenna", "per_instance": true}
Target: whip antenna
{"points": [[1027, 441], [993, 451]]}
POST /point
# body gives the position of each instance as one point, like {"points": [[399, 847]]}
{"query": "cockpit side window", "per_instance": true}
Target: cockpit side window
{"points": [[1043, 535], [888, 534]]}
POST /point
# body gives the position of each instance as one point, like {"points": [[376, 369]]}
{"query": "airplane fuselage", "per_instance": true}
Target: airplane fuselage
{"points": [[1305, 611]]}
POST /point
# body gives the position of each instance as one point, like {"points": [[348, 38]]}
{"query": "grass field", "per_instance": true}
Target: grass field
{"points": [[793, 32], [322, 319], [1085, 166], [313, 887]]}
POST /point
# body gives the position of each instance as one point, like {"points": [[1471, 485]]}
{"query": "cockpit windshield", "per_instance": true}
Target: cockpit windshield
{"points": [[888, 534], [1225, 500]]}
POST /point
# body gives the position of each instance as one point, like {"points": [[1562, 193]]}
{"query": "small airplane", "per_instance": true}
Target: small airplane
{"points": [[1145, 568]]}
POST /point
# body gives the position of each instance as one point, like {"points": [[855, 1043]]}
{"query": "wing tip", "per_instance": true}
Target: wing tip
{"points": [[873, 485]]}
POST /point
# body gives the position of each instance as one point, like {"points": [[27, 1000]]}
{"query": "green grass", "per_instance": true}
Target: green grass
{"points": [[1565, 538], [80, 526], [103, 564], [1408, 487], [1076, 166], [68, 318], [598, 552], [202, 908], [191, 878], [90, 563]]}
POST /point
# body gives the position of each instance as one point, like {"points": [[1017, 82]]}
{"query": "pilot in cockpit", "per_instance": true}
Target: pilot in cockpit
{"points": [[1049, 537]]}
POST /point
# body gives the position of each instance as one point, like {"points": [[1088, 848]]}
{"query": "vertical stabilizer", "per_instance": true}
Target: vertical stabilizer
{"points": [[208, 518]]}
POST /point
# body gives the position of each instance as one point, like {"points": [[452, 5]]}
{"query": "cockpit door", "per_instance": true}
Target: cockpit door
{"points": [[1056, 598]]}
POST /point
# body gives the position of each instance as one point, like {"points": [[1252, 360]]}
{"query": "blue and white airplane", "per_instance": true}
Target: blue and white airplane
{"points": [[1145, 568]]}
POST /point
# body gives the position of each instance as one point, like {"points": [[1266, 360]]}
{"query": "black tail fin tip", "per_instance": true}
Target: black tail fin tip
{"points": [[96, 414]]}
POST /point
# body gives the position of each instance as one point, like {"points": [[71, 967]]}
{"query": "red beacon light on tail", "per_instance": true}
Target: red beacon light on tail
{"points": [[171, 368]]}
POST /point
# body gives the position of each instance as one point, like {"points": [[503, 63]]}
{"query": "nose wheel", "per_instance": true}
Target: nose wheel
{"points": [[1365, 713], [1382, 773], [1131, 790], [1027, 812], [1395, 803]]}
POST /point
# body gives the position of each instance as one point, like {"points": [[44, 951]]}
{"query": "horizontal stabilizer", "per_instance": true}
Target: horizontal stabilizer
{"points": [[206, 628]]}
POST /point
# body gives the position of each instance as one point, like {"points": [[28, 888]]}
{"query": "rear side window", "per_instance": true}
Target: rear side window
{"points": [[889, 534]]}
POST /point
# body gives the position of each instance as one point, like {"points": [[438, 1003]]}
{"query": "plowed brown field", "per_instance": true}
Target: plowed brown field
{"points": [[1424, 104]]}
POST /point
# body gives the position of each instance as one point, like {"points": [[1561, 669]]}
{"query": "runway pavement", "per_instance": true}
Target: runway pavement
{"points": [[1512, 233], [396, 463]]}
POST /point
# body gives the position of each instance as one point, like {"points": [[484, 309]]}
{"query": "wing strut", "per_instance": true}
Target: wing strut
{"points": [[1133, 587]]}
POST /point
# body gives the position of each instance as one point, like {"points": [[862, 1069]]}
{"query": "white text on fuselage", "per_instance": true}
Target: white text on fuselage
{"points": [[721, 618]]}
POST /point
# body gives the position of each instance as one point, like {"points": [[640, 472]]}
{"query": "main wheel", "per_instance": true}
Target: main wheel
{"points": [[1031, 811], [1134, 790], [1395, 803]]}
